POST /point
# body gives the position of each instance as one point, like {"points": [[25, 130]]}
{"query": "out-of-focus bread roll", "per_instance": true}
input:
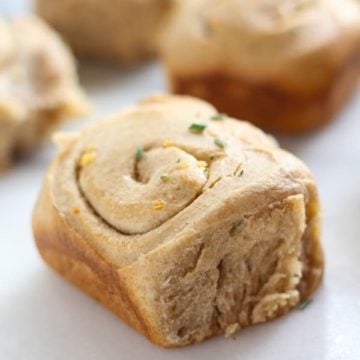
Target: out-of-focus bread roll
{"points": [[38, 86], [118, 30], [285, 65]]}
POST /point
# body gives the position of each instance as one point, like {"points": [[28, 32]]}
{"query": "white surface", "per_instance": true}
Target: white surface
{"points": [[43, 317]]}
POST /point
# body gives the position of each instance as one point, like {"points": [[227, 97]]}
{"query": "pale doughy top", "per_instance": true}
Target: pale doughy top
{"points": [[260, 38], [144, 176], [37, 72]]}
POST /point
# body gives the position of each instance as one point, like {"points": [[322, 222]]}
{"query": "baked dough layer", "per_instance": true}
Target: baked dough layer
{"points": [[182, 233], [116, 30], [38, 86], [286, 65]]}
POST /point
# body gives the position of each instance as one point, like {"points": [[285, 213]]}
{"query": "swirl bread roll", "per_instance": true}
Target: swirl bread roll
{"points": [[183, 222], [286, 65], [38, 86], [116, 30]]}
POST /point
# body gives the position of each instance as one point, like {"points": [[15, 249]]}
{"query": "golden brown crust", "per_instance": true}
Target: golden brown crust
{"points": [[270, 105], [72, 257]]}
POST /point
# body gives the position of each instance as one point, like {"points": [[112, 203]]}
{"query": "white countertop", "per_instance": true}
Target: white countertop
{"points": [[44, 317]]}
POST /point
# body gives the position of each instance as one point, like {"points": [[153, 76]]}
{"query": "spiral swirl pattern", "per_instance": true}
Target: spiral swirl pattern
{"points": [[132, 177], [184, 222]]}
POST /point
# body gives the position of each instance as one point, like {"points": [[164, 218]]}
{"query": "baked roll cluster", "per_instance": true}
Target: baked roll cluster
{"points": [[38, 86], [182, 221], [120, 30], [287, 65]]}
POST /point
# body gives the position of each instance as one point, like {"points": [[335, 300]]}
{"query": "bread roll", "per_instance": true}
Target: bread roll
{"points": [[183, 222], [38, 86], [286, 65], [116, 30]]}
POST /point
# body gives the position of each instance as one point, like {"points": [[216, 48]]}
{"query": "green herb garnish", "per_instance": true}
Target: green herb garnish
{"points": [[219, 143], [139, 153], [197, 128], [218, 117], [304, 304], [241, 173], [165, 177]]}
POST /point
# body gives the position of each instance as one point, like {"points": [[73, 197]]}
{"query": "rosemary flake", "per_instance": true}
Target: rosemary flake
{"points": [[139, 153], [219, 143], [165, 177], [304, 304], [218, 117], [197, 128]]}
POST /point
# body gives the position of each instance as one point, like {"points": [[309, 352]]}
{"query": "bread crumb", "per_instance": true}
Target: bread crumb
{"points": [[75, 211], [202, 164], [168, 143], [87, 159], [184, 165], [232, 329], [158, 205]]}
